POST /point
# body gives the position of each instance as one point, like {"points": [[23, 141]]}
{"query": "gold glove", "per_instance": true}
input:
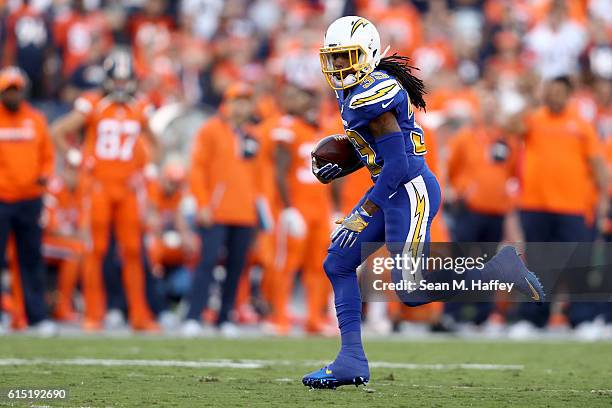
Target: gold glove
{"points": [[350, 227]]}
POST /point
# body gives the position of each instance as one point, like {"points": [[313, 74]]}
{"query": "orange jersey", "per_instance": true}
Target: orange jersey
{"points": [[463, 102], [266, 162], [329, 118], [475, 174], [114, 149], [400, 25], [62, 219], [63, 211], [19, 30], [304, 189], [576, 10], [150, 37], [556, 173], [221, 178], [433, 151], [434, 55], [75, 32], [26, 153]]}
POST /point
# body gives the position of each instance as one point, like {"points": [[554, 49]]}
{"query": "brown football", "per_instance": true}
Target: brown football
{"points": [[336, 149]]}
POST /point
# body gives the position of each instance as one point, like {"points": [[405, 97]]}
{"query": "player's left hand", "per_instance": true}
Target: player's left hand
{"points": [[350, 227]]}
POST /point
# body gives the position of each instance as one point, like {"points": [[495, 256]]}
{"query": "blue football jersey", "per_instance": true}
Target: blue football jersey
{"points": [[378, 93]]}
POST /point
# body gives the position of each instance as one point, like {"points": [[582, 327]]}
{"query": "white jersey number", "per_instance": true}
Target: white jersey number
{"points": [[116, 139]]}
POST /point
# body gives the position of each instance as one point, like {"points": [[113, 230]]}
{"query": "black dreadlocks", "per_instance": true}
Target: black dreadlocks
{"points": [[399, 66]]}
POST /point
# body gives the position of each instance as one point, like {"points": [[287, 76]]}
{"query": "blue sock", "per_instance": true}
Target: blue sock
{"points": [[351, 345], [347, 298]]}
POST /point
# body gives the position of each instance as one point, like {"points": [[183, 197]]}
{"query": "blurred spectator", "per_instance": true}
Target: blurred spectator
{"points": [[556, 43], [116, 151], [562, 159], [434, 54], [27, 163], [28, 45], [156, 58], [224, 183], [399, 23], [303, 226], [297, 59], [599, 52], [481, 171], [561, 165], [73, 34], [601, 9], [63, 245], [203, 16], [89, 75], [150, 34], [172, 246], [468, 22], [454, 99]]}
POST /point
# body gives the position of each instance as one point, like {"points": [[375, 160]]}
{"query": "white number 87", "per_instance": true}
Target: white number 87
{"points": [[109, 143]]}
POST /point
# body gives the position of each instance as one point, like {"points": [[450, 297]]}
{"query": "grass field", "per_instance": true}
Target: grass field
{"points": [[267, 372]]}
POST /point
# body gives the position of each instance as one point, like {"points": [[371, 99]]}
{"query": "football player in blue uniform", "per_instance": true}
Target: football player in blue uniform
{"points": [[376, 96]]}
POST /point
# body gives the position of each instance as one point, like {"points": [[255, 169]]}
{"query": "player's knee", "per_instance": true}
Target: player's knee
{"points": [[334, 265], [329, 264]]}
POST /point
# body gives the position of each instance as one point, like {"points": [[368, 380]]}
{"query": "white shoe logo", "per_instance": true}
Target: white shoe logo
{"points": [[387, 104]]}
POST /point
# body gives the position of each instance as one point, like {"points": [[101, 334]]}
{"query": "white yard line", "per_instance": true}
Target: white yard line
{"points": [[479, 388], [132, 363], [484, 367], [243, 364]]}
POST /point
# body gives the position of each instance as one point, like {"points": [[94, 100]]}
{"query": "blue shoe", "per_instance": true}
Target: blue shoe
{"points": [[325, 379], [343, 371], [509, 268]]}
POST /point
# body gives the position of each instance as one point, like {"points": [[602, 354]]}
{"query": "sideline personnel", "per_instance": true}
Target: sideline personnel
{"points": [[26, 163]]}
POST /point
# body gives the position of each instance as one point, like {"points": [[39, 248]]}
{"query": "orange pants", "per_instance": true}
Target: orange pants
{"points": [[67, 253], [306, 254], [118, 207], [263, 256]]}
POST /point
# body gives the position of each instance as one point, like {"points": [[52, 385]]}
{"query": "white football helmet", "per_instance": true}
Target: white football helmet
{"points": [[359, 41]]}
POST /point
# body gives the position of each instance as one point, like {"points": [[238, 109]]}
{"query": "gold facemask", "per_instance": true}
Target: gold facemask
{"points": [[345, 77]]}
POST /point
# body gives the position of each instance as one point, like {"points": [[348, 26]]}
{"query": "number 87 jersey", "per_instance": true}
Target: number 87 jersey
{"points": [[378, 93], [114, 149]]}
